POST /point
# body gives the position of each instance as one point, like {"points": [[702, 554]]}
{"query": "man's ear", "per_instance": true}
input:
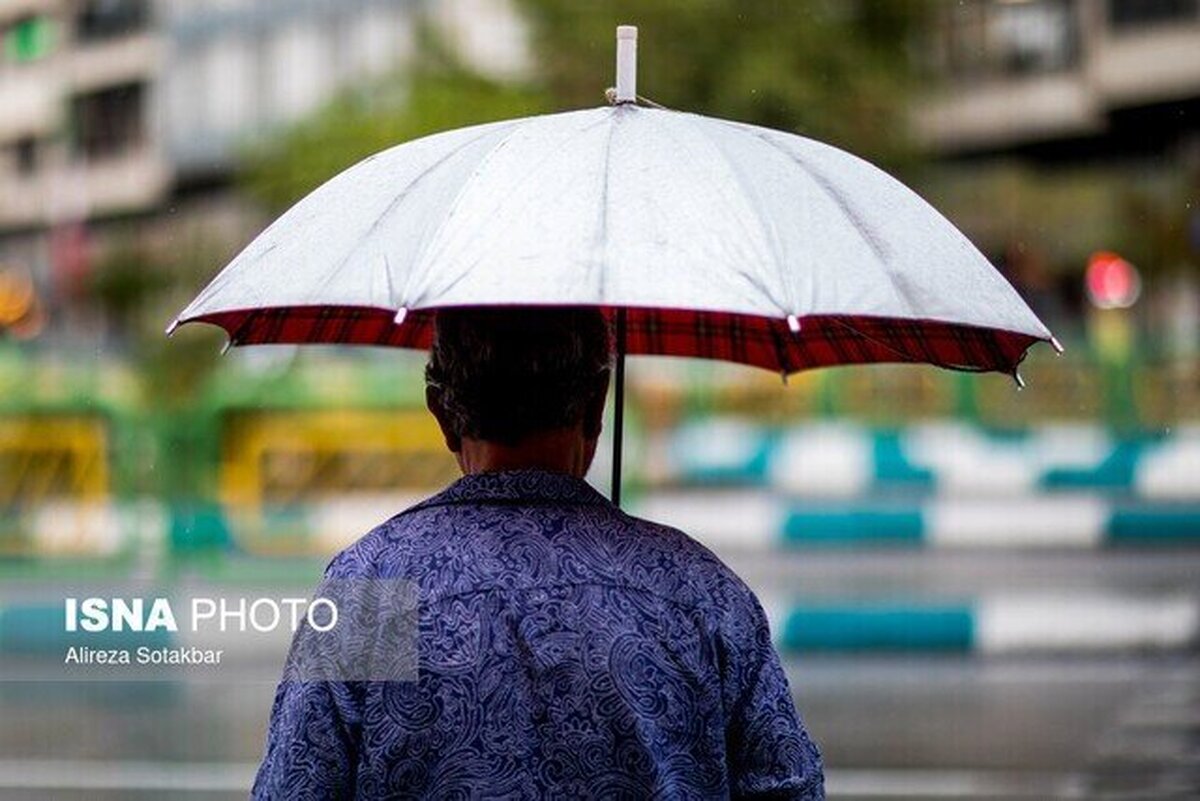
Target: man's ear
{"points": [[433, 401], [593, 413]]}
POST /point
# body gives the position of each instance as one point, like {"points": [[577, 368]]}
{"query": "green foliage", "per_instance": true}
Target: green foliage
{"points": [[124, 280], [1067, 214], [136, 283], [837, 70], [358, 124]]}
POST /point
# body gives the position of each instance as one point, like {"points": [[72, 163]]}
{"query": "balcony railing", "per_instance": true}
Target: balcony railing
{"points": [[132, 180]]}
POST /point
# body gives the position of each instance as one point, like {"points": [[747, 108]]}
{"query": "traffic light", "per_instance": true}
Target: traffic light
{"points": [[1112, 282]]}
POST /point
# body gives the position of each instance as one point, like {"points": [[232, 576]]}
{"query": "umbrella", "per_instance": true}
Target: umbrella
{"points": [[702, 237]]}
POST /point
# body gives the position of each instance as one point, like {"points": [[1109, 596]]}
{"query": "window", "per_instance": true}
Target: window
{"points": [[28, 39], [108, 122], [25, 153], [103, 19], [982, 38], [1133, 13]]}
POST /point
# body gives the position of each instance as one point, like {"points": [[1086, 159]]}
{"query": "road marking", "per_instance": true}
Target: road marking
{"points": [[1036, 521], [955, 784], [86, 774], [1079, 622], [237, 777]]}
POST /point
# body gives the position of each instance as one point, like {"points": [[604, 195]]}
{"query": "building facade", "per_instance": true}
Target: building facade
{"points": [[116, 109], [1104, 76], [78, 85]]}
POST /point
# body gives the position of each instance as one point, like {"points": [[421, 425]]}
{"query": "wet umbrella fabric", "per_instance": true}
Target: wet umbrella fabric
{"points": [[722, 240]]}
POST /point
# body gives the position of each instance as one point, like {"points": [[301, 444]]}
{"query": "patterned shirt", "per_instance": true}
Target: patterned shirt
{"points": [[565, 650]]}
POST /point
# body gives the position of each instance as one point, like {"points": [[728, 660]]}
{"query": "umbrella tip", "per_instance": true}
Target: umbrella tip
{"points": [[1058, 348], [401, 314], [626, 90], [228, 344], [1020, 381], [170, 332], [793, 323]]}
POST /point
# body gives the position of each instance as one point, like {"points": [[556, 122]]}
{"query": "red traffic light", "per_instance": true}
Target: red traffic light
{"points": [[1112, 282]]}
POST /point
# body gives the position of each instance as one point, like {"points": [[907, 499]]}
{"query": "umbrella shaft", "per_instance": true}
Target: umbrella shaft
{"points": [[618, 405]]}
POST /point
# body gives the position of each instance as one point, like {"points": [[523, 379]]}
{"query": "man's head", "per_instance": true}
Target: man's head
{"points": [[519, 387]]}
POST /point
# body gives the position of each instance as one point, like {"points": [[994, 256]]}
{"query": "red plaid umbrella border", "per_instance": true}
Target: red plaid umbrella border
{"points": [[767, 342]]}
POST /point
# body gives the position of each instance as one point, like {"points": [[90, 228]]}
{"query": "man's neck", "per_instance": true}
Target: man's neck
{"points": [[560, 451]]}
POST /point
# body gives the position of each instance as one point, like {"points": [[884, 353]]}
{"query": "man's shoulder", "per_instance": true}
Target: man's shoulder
{"points": [[605, 541], [715, 583], [371, 552]]}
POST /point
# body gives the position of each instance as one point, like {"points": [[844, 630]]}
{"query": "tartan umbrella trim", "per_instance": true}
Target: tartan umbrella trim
{"points": [[766, 342]]}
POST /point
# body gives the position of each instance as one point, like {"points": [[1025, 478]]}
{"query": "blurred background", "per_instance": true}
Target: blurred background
{"points": [[980, 592]]}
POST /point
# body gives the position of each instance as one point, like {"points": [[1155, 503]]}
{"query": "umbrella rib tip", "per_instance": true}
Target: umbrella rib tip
{"points": [[793, 323], [401, 314], [1058, 348], [170, 330]]}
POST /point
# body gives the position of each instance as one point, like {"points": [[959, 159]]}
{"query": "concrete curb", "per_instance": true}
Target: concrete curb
{"points": [[753, 520], [844, 460], [990, 625]]}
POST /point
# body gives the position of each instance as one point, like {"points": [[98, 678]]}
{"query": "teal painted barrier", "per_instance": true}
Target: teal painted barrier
{"points": [[41, 629], [886, 628], [198, 527], [742, 452], [1165, 525], [1019, 623], [853, 526], [1117, 471]]}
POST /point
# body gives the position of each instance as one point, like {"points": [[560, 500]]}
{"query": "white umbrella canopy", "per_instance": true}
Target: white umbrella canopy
{"points": [[709, 238], [676, 217], [617, 206]]}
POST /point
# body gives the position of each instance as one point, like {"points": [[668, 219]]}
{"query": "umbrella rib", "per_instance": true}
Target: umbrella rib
{"points": [[876, 247], [902, 354], [602, 223], [882, 254], [399, 199], [907, 356], [781, 350], [766, 235], [475, 173], [753, 279]]}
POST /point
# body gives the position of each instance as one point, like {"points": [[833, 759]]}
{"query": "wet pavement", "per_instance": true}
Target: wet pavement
{"points": [[1103, 726]]}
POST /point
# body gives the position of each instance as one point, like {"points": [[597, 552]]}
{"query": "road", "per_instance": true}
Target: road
{"points": [[890, 728], [966, 727]]}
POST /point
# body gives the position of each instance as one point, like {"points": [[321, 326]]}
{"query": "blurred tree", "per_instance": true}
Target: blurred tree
{"points": [[134, 281], [838, 70], [438, 94], [125, 280]]}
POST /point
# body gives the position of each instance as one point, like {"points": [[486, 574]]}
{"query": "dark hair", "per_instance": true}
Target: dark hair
{"points": [[503, 373]]}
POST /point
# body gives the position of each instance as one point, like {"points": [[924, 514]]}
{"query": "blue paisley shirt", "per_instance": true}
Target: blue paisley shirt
{"points": [[566, 650]]}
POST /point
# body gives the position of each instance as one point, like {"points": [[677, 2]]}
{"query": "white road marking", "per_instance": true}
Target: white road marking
{"points": [[86, 774], [1084, 622], [1043, 522], [732, 519], [957, 784], [237, 777]]}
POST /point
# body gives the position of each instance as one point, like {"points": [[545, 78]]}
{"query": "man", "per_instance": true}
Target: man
{"points": [[565, 648]]}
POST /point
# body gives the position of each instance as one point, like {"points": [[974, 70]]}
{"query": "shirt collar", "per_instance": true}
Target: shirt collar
{"points": [[517, 486]]}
